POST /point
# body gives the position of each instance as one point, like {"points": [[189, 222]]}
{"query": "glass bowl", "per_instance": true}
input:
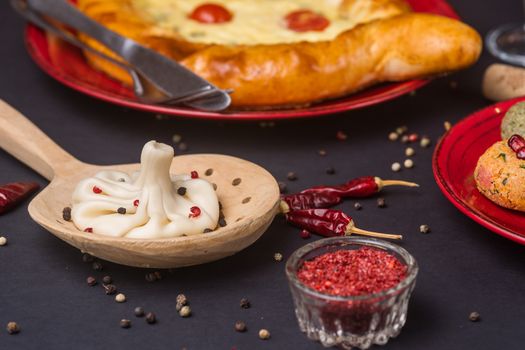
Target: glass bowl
{"points": [[350, 321]]}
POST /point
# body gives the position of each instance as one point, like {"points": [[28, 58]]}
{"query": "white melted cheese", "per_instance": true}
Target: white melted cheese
{"points": [[253, 22], [153, 208]]}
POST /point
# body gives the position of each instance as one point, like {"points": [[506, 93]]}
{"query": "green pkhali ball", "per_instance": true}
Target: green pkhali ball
{"points": [[514, 121]]}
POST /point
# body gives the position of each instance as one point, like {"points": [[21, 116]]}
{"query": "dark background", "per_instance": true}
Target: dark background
{"points": [[463, 267]]}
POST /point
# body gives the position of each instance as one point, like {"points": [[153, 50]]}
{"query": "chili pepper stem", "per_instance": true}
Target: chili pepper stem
{"points": [[352, 229], [382, 183], [284, 207]]}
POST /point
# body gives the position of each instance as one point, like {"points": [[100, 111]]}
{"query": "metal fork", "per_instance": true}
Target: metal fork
{"points": [[144, 87]]}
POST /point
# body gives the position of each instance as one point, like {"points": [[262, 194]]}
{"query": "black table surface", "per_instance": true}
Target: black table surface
{"points": [[463, 266]]}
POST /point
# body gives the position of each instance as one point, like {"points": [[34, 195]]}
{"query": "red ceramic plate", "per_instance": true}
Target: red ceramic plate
{"points": [[454, 160], [66, 64]]}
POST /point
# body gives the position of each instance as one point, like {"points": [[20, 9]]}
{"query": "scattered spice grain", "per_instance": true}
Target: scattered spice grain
{"points": [[3, 241], [413, 137], [107, 279], [341, 135], [245, 303], [66, 213], [264, 334], [183, 146], [401, 129], [139, 311], [208, 172], [240, 326], [185, 311], [358, 206], [291, 176], [474, 316], [330, 171], [381, 203], [424, 229], [408, 163], [322, 152], [396, 167], [120, 298], [109, 289], [282, 187], [125, 323], [305, 234], [182, 299], [97, 266], [236, 181], [404, 138], [87, 258], [121, 210], [91, 281], [278, 257], [12, 328], [150, 277], [409, 152], [447, 125], [176, 138], [246, 200], [393, 136], [150, 318]]}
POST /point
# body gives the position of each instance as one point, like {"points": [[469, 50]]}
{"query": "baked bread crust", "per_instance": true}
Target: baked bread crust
{"points": [[396, 45]]}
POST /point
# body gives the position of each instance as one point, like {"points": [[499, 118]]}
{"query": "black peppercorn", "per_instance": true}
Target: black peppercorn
{"points": [[139, 311], [125, 323], [150, 318], [91, 281], [110, 289], [291, 176], [121, 210], [181, 191], [245, 303], [87, 258], [97, 266], [357, 206], [330, 171], [474, 316], [151, 277], [66, 214], [282, 187], [222, 222], [381, 202], [107, 279], [240, 326]]}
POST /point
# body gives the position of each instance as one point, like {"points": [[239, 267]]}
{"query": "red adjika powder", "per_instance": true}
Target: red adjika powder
{"points": [[352, 272]]}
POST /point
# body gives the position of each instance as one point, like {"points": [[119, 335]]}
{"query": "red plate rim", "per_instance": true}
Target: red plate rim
{"points": [[368, 97], [456, 200]]}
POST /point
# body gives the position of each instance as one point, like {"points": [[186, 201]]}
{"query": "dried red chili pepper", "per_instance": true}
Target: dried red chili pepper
{"points": [[14, 193], [329, 223], [308, 201], [360, 187]]}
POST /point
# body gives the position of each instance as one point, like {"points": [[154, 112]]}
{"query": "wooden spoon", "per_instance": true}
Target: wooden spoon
{"points": [[248, 207]]}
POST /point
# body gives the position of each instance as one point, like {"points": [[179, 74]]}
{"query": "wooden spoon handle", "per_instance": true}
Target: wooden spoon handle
{"points": [[26, 142]]}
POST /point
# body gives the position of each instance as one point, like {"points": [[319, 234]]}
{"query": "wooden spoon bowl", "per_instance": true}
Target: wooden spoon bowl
{"points": [[249, 206]]}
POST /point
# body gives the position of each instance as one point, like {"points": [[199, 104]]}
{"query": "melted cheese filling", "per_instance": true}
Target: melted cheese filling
{"points": [[253, 22]]}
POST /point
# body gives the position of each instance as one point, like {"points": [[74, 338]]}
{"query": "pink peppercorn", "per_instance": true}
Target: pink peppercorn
{"points": [[88, 230], [194, 175], [194, 212], [96, 190], [136, 202]]}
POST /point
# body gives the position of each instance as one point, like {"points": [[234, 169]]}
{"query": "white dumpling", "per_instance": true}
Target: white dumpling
{"points": [[146, 204]]}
